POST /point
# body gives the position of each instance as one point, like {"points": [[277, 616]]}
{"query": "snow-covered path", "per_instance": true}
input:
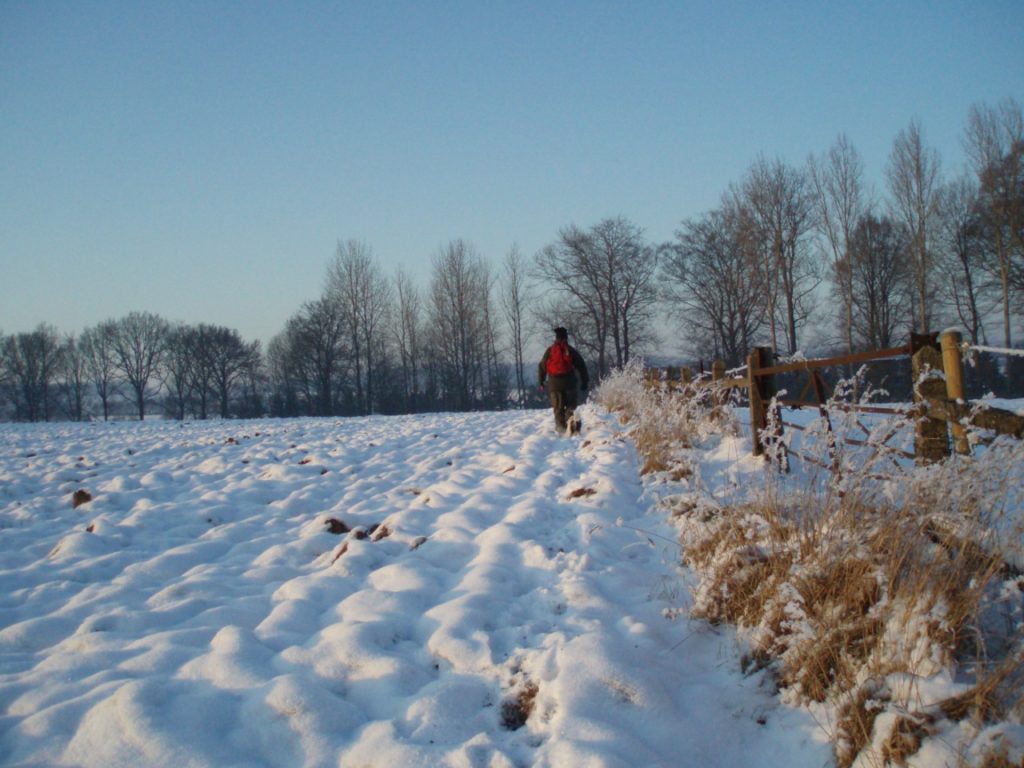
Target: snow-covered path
{"points": [[519, 602]]}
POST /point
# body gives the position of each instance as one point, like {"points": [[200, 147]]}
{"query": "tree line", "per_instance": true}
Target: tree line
{"points": [[793, 255], [797, 247], [134, 363]]}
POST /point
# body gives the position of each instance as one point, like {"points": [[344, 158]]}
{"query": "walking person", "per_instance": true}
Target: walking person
{"points": [[560, 366]]}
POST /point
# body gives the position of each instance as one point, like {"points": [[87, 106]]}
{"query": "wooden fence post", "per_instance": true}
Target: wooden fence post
{"points": [[687, 375], [931, 439], [718, 395], [953, 367], [759, 388], [718, 370]]}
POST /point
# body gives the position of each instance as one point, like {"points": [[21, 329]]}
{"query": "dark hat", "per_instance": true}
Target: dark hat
{"points": [[561, 333]]}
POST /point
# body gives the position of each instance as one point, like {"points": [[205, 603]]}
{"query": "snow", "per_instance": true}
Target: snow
{"points": [[505, 597]]}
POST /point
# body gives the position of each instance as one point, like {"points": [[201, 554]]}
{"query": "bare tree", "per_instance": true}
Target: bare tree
{"points": [[74, 378], [781, 203], [515, 300], [178, 369], [253, 386], [97, 344], [838, 183], [600, 284], [712, 285], [406, 331], [289, 374], [198, 346], [139, 343], [32, 362], [630, 264], [459, 314], [994, 142], [881, 281], [913, 176], [961, 241], [493, 383], [363, 294], [575, 296], [230, 358], [317, 337]]}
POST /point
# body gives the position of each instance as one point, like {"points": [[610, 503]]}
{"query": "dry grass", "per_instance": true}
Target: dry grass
{"points": [[834, 608], [664, 420], [842, 593], [999, 759], [856, 721], [861, 591], [845, 593]]}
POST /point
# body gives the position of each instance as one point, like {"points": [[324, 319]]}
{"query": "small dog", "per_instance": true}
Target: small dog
{"points": [[575, 424]]}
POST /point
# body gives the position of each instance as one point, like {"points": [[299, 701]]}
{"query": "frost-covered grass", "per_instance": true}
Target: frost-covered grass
{"points": [[884, 597]]}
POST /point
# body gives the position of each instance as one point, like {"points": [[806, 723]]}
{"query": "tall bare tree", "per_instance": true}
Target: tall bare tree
{"points": [[914, 182], [781, 203], [317, 336], [139, 342], [198, 346], [356, 284], [407, 333], [494, 380], [712, 285], [994, 141], [515, 301], [601, 283], [841, 199], [97, 343], [178, 369], [289, 375], [74, 377], [881, 281], [961, 242], [32, 361], [230, 359], [459, 313]]}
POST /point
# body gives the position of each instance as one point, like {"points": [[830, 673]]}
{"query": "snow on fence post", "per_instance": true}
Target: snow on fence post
{"points": [[953, 367], [931, 438]]}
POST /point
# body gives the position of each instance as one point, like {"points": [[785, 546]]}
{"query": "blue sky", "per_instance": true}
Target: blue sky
{"points": [[202, 160]]}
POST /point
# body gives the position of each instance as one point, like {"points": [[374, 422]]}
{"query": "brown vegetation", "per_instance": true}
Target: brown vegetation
{"points": [[843, 596]]}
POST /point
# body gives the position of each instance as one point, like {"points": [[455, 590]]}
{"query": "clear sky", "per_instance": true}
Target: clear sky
{"points": [[202, 160]]}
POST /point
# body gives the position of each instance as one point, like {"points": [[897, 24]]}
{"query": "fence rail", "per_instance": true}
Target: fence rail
{"points": [[940, 410]]}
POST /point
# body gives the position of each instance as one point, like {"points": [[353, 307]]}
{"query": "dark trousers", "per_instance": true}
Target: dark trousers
{"points": [[563, 403]]}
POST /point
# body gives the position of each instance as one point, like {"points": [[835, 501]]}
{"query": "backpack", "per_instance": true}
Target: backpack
{"points": [[559, 359]]}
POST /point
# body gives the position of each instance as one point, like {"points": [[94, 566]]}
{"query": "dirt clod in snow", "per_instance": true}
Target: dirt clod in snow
{"points": [[335, 526], [516, 711], [581, 493]]}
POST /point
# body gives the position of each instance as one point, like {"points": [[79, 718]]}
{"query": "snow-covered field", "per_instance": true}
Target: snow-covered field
{"points": [[518, 603]]}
